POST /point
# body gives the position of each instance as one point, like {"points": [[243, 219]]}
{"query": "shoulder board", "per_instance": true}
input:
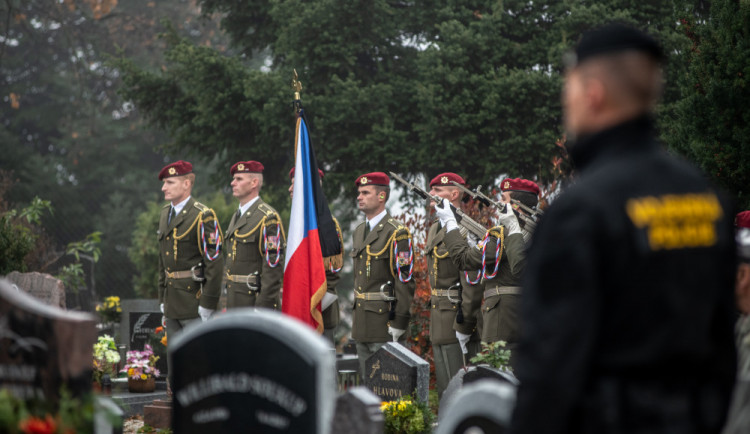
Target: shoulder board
{"points": [[200, 206], [498, 231], [396, 224], [267, 210]]}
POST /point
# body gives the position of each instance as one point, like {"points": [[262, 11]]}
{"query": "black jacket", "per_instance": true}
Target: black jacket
{"points": [[628, 308]]}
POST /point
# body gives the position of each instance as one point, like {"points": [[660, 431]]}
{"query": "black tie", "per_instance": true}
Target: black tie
{"points": [[239, 213], [172, 215], [367, 230]]}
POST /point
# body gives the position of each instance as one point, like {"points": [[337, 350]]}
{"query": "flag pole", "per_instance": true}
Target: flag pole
{"points": [[297, 87]]}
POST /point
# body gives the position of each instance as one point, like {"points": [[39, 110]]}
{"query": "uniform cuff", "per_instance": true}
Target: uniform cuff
{"points": [[209, 301], [400, 322]]}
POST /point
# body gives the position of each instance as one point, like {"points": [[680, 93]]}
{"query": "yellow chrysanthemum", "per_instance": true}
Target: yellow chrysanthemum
{"points": [[144, 376], [130, 371]]}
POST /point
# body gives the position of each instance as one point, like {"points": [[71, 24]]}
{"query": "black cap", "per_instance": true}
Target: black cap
{"points": [[613, 38]]}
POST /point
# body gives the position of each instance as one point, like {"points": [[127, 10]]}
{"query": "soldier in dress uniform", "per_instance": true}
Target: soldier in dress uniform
{"points": [[383, 261], [330, 302], [501, 258], [255, 243], [455, 298], [524, 191], [190, 260], [628, 305]]}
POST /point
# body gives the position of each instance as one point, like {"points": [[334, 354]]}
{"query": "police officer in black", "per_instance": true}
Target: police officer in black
{"points": [[627, 310]]}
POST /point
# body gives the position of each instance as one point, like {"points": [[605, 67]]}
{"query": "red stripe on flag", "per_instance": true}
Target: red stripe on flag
{"points": [[305, 282]]}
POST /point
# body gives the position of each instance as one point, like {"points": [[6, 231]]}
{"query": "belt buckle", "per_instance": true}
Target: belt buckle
{"points": [[253, 287]]}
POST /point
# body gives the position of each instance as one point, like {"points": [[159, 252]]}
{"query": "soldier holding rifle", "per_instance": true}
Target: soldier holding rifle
{"points": [[455, 295], [383, 264], [501, 256]]}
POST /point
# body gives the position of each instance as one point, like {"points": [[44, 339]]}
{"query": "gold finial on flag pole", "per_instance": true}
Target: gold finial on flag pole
{"points": [[297, 87]]}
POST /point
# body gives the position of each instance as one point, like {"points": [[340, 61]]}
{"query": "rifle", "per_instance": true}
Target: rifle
{"points": [[529, 220], [461, 218]]}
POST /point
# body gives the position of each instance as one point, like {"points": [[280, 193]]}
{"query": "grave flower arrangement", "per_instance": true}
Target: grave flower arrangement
{"points": [[407, 416], [110, 309], [141, 365], [494, 354], [106, 358]]}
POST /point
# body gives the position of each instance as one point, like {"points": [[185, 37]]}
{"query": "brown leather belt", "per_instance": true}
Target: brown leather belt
{"points": [[444, 292], [243, 278], [187, 274], [368, 296], [502, 290]]}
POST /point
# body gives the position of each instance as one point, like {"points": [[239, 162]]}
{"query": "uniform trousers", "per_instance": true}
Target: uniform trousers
{"points": [[174, 327]]}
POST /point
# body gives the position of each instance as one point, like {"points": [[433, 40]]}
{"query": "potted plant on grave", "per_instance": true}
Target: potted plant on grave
{"points": [[141, 370], [106, 358], [407, 416], [495, 355]]}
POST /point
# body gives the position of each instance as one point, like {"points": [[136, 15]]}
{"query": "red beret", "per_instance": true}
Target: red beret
{"points": [[742, 220], [446, 178], [518, 184], [246, 167], [374, 178], [291, 174], [177, 168]]}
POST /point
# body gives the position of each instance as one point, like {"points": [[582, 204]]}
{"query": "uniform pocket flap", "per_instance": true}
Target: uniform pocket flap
{"points": [[250, 239], [491, 302], [376, 306]]}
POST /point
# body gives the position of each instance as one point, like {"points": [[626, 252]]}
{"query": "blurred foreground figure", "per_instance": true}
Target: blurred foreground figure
{"points": [[739, 415], [628, 308]]}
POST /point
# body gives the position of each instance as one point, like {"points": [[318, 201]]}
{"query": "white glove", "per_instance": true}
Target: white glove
{"points": [[463, 340], [396, 333], [161, 307], [510, 221], [205, 313], [444, 213]]}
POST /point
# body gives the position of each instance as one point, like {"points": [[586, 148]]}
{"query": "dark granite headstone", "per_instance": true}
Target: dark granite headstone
{"points": [[482, 407], [472, 374], [394, 372], [142, 331], [43, 347], [252, 371], [358, 411]]}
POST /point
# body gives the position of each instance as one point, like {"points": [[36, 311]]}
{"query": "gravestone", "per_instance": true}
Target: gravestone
{"points": [[43, 347], [252, 371], [358, 411], [482, 407], [394, 372], [472, 374], [44, 287], [140, 318]]}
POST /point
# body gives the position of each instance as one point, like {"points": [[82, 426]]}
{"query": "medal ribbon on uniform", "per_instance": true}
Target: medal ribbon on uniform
{"points": [[218, 241], [265, 244], [398, 263]]}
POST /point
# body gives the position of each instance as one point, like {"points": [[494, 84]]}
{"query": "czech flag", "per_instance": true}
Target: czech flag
{"points": [[312, 235]]}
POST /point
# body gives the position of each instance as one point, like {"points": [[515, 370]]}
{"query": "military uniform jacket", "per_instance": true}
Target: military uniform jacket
{"points": [[500, 311], [181, 247], [443, 274], [254, 240], [331, 317], [374, 265], [628, 301]]}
